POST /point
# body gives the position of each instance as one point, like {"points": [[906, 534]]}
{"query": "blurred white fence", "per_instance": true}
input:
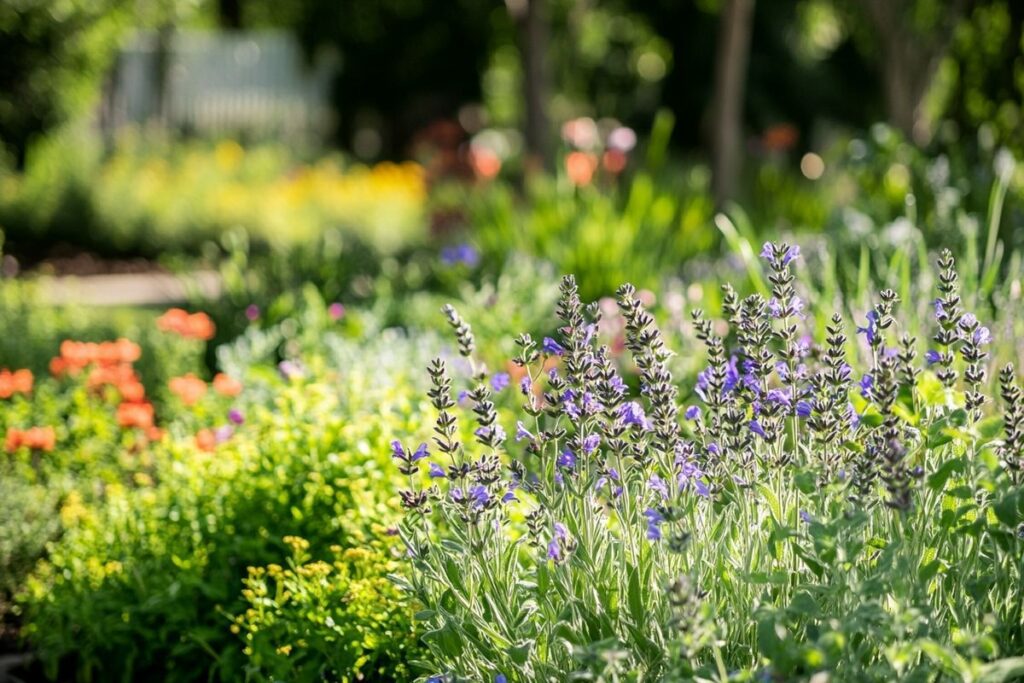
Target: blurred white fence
{"points": [[254, 83]]}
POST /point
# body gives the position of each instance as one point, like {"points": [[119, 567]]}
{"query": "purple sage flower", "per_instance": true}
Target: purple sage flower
{"points": [[658, 485], [632, 413], [522, 432], [654, 520], [756, 427], [499, 381], [591, 443], [932, 356], [549, 345], [692, 413], [436, 471]]}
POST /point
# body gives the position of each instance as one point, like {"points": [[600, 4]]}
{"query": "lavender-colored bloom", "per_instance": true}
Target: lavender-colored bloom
{"points": [[658, 485], [420, 453], [613, 475], [252, 312], [510, 495], [290, 369], [791, 254], [654, 520], [692, 413], [522, 432], [932, 356], [690, 475], [714, 449], [549, 345], [940, 311], [871, 330], [336, 311], [485, 432], [968, 320], [500, 678], [436, 471], [525, 385], [235, 416], [617, 384], [456, 494], [982, 336], [756, 427], [803, 408], [556, 548], [732, 375], [465, 254], [778, 397], [463, 398], [397, 452], [591, 406], [767, 250], [566, 459], [499, 381], [591, 443], [632, 413], [480, 495], [223, 433], [866, 383], [588, 333], [806, 517]]}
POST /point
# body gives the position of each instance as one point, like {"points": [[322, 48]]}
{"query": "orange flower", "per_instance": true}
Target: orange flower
{"points": [[188, 388], [194, 326], [17, 382], [155, 434], [205, 440], [132, 390], [135, 415], [35, 438], [580, 167], [226, 386]]}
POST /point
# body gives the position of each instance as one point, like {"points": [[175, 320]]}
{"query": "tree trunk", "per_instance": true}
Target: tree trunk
{"points": [[730, 83], [909, 60], [531, 20], [230, 12]]}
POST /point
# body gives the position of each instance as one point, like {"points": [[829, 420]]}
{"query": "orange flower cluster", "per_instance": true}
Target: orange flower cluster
{"points": [[17, 382], [34, 438], [191, 326], [188, 388], [226, 385], [76, 356], [110, 364]]}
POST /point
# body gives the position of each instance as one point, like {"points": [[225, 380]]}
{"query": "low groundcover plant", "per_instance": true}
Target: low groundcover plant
{"points": [[849, 505]]}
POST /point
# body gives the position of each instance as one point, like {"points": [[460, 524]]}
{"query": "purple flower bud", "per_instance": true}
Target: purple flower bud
{"points": [[803, 408], [654, 520], [658, 485], [252, 312], [499, 381], [806, 517], [566, 459], [420, 453], [549, 345], [397, 452], [932, 356], [235, 416], [223, 433], [756, 427], [591, 443], [522, 432], [632, 413], [436, 471], [692, 413]]}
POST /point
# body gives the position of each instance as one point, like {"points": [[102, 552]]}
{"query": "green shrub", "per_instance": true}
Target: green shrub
{"points": [[145, 583]]}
